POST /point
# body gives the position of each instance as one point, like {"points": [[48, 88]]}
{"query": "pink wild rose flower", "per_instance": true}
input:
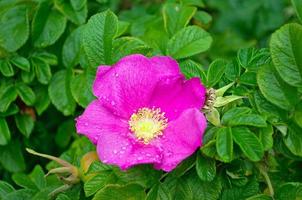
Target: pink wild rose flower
{"points": [[145, 112]]}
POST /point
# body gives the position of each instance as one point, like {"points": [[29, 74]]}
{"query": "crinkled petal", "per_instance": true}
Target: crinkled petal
{"points": [[181, 138], [96, 119], [129, 84], [175, 95], [118, 149]]}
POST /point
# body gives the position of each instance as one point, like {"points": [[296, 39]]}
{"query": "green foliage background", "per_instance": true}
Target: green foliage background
{"points": [[249, 51]]}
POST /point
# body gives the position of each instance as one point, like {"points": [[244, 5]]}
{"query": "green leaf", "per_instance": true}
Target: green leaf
{"points": [[215, 72], [128, 45], [127, 192], [293, 139], [72, 48], [60, 94], [6, 68], [5, 189], [16, 31], [42, 99], [47, 26], [177, 16], [188, 42], [22, 194], [97, 38], [248, 78], [275, 90], [81, 90], [64, 133], [42, 70], [203, 17], [122, 28], [23, 180], [98, 167], [297, 4], [11, 157], [198, 3], [286, 51], [48, 58], [12, 110], [98, 181], [192, 69], [248, 143], [63, 197], [224, 144], [8, 94], [179, 188], [21, 62], [248, 120], [298, 115], [291, 190], [159, 192], [5, 135], [38, 177], [260, 197], [26, 93], [75, 10], [232, 71], [25, 124], [206, 168], [266, 137]]}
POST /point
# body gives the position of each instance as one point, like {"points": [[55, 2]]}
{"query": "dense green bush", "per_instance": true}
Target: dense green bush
{"points": [[49, 52]]}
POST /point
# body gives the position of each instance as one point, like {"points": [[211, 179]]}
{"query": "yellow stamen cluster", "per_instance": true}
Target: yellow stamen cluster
{"points": [[147, 124]]}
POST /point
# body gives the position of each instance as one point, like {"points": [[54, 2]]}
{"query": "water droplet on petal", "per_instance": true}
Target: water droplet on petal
{"points": [[112, 103], [86, 124], [139, 158], [115, 151], [124, 148], [116, 74]]}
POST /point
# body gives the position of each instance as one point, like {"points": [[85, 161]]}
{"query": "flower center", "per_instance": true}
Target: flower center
{"points": [[147, 124]]}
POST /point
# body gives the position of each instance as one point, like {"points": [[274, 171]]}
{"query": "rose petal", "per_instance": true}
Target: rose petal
{"points": [[118, 149], [175, 95], [181, 138], [129, 84], [96, 119]]}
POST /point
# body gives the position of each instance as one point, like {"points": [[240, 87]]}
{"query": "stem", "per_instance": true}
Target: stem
{"points": [[267, 180]]}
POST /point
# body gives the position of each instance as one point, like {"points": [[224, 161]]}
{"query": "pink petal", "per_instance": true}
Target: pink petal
{"points": [[97, 119], [181, 138], [175, 95], [118, 149], [129, 84]]}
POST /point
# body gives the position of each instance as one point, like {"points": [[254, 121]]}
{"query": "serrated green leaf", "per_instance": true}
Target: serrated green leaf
{"points": [[97, 38], [215, 72], [224, 144], [232, 71], [248, 78], [11, 157], [47, 26], [159, 192], [248, 143], [293, 139], [24, 194], [177, 16], [80, 90], [98, 181], [42, 70], [291, 190], [21, 62], [297, 4], [198, 3], [98, 167], [179, 188], [260, 197], [127, 192], [248, 120], [206, 168], [128, 45], [192, 69], [6, 68], [188, 42], [286, 51], [26, 93], [12, 21], [38, 177], [42, 99], [60, 94], [63, 197], [25, 124], [275, 90], [75, 10], [203, 17], [8, 94], [5, 189], [122, 28], [64, 133], [5, 135], [23, 181], [72, 48], [266, 137], [12, 110], [48, 58]]}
